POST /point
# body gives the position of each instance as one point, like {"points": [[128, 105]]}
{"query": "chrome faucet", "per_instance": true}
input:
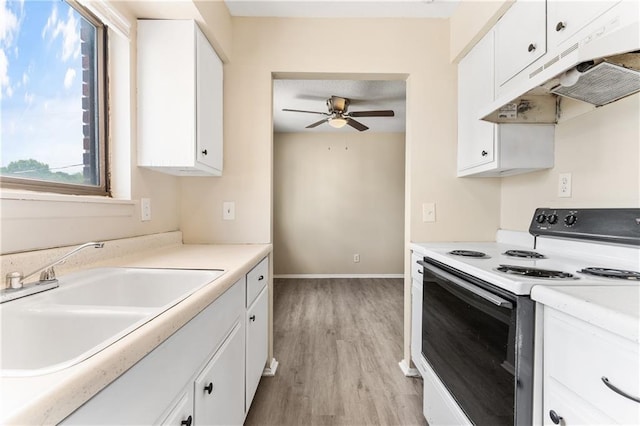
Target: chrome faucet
{"points": [[16, 287]]}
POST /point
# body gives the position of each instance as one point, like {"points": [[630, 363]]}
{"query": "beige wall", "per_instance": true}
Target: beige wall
{"points": [[416, 48], [601, 149], [335, 195]]}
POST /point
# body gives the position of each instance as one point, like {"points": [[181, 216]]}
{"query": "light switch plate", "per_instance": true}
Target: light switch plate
{"points": [[229, 210], [428, 212]]}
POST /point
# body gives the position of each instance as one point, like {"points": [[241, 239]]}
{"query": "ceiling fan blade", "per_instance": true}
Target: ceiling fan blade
{"points": [[356, 124], [383, 113], [316, 124], [300, 110]]}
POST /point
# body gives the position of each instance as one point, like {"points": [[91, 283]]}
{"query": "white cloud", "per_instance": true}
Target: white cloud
{"points": [[4, 67], [28, 98], [68, 30], [69, 76], [8, 24], [25, 78]]}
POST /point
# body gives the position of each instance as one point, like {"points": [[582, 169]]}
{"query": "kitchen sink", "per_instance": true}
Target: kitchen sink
{"points": [[38, 342], [89, 311], [128, 287]]}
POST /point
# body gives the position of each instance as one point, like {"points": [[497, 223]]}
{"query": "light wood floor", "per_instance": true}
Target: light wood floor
{"points": [[338, 342]]}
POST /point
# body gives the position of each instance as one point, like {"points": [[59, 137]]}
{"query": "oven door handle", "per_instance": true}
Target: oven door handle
{"points": [[488, 296]]}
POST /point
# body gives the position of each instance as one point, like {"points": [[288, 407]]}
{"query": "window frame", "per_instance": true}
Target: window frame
{"points": [[102, 94]]}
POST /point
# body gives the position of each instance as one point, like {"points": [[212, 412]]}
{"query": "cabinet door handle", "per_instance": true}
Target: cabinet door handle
{"points": [[252, 318], [420, 271], [187, 422], [560, 26], [555, 418], [204, 152], [209, 388], [484, 153], [618, 390], [531, 47], [261, 277]]}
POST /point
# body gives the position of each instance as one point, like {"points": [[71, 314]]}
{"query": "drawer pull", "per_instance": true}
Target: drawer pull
{"points": [[252, 318], [209, 388], [618, 390], [187, 422], [261, 277], [555, 418]]}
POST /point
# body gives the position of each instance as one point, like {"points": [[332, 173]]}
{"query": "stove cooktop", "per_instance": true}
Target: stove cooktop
{"points": [[576, 263]]}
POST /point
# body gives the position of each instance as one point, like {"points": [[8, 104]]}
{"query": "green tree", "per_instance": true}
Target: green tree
{"points": [[34, 169]]}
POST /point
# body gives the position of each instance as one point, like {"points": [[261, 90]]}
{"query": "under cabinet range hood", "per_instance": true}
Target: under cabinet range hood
{"points": [[599, 64]]}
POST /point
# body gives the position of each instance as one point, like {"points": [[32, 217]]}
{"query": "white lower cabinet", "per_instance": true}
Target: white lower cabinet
{"points": [[218, 392], [206, 373], [416, 311], [256, 343], [182, 412], [578, 359]]}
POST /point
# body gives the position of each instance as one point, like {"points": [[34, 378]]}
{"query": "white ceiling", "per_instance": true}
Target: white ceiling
{"points": [[311, 95], [343, 8]]}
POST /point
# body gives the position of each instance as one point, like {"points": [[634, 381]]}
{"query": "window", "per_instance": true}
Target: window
{"points": [[52, 98]]}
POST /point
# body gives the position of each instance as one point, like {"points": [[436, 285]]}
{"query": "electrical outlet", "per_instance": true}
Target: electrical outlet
{"points": [[428, 212], [356, 258], [145, 209], [564, 185], [229, 210]]}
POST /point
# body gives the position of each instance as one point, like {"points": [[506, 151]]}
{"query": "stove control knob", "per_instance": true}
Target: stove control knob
{"points": [[540, 218], [570, 220], [552, 218]]}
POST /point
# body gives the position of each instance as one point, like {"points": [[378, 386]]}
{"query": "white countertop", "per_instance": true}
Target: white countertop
{"points": [[49, 398], [615, 309]]}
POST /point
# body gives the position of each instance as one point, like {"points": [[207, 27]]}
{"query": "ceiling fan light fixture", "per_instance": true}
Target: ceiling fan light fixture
{"points": [[337, 122]]}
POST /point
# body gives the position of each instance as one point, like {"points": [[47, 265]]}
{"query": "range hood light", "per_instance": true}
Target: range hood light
{"points": [[570, 77]]}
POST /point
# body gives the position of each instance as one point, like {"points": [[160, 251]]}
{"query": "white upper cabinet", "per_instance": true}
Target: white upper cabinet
{"points": [[180, 84], [487, 149], [475, 89], [520, 38], [566, 18]]}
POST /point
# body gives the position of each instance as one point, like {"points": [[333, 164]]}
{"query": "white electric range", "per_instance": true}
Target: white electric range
{"points": [[477, 316]]}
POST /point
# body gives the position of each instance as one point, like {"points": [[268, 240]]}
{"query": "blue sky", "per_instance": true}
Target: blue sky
{"points": [[40, 83]]}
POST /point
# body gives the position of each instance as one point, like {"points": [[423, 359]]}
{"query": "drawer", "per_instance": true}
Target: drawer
{"points": [[576, 357], [257, 279], [416, 268]]}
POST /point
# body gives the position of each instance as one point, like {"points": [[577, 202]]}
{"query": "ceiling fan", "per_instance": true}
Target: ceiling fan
{"points": [[338, 116]]}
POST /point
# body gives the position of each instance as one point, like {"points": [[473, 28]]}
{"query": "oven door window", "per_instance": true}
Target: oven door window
{"points": [[469, 341]]}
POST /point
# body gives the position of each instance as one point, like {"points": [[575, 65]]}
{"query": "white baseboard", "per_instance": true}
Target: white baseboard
{"points": [[271, 369], [408, 371], [286, 276]]}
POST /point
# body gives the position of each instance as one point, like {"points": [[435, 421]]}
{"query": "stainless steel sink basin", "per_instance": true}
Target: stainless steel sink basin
{"points": [[90, 310]]}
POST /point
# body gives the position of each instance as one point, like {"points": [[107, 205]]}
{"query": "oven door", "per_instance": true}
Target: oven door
{"points": [[471, 332]]}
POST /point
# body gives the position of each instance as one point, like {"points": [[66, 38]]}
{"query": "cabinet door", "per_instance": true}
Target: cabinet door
{"points": [[475, 90], [520, 38], [218, 390], [256, 343], [416, 321], [182, 413], [209, 105], [565, 18]]}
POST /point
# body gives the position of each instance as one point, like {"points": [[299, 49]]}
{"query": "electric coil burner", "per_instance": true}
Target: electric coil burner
{"points": [[620, 274], [535, 272], [525, 254], [468, 253]]}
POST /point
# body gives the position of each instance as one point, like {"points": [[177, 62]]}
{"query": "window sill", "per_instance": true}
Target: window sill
{"points": [[9, 194], [25, 205]]}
